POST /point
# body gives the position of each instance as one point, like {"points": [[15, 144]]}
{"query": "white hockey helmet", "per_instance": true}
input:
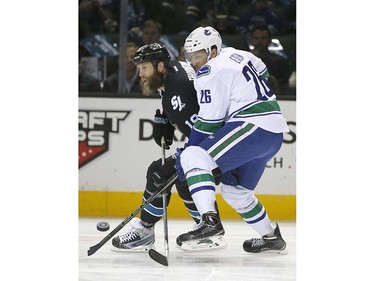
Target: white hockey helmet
{"points": [[203, 38]]}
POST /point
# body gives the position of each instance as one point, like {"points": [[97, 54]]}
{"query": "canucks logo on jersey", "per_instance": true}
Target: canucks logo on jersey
{"points": [[204, 71]]}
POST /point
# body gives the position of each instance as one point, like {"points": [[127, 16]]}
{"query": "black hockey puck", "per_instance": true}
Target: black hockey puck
{"points": [[102, 226]]}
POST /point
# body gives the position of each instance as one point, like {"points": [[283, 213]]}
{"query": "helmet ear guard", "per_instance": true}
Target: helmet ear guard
{"points": [[203, 38], [154, 53]]}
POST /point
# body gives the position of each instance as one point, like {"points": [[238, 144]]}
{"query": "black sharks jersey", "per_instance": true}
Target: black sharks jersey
{"points": [[179, 100]]}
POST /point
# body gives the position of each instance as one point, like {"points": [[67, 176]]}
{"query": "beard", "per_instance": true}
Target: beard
{"points": [[151, 84]]}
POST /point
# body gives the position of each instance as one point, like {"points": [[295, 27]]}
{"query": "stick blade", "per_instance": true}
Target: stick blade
{"points": [[93, 249], [159, 258]]}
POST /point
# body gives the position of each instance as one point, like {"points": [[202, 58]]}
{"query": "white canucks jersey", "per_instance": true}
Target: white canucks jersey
{"points": [[232, 87]]}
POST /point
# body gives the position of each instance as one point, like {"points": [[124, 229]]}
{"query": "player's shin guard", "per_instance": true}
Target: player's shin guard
{"points": [[153, 212], [184, 193], [254, 214], [198, 165], [248, 207], [202, 189]]}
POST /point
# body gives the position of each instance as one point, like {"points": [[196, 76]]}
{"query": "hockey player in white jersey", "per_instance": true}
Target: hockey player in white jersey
{"points": [[239, 129]]}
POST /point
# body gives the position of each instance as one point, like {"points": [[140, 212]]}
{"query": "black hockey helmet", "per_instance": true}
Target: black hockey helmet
{"points": [[154, 53]]}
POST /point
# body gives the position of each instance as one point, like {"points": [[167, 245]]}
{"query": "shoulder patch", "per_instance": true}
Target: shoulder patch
{"points": [[203, 71], [236, 57]]}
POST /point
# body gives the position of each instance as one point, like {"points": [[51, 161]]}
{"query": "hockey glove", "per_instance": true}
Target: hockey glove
{"points": [[180, 170], [165, 172], [162, 128]]}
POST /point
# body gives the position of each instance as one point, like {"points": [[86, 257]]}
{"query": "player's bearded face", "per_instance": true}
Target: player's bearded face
{"points": [[151, 83]]}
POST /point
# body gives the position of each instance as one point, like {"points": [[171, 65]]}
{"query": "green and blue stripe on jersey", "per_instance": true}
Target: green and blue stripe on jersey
{"points": [[203, 128], [257, 108], [264, 73]]}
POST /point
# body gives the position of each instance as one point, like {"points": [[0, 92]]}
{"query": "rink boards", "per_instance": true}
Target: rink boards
{"points": [[116, 147]]}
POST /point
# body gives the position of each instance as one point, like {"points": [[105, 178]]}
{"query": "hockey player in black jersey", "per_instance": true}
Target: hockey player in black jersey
{"points": [[174, 82]]}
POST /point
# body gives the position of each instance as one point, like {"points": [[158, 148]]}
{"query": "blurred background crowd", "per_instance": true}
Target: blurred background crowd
{"points": [[267, 28]]}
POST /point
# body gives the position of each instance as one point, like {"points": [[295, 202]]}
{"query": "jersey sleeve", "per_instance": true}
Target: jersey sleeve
{"points": [[259, 65]]}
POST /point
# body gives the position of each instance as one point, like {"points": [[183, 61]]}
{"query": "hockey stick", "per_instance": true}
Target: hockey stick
{"points": [[96, 247], [155, 255]]}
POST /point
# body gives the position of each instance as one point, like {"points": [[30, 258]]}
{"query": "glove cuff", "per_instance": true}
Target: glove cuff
{"points": [[160, 120]]}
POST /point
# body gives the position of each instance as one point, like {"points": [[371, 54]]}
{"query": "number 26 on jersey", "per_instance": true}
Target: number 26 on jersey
{"points": [[205, 96]]}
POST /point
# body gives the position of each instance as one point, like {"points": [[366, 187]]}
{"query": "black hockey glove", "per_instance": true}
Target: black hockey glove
{"points": [[165, 172], [162, 128]]}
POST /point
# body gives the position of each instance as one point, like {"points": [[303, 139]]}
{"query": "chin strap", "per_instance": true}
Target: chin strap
{"points": [[208, 55]]}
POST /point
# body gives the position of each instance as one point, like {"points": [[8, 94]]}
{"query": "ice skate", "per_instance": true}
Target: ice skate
{"points": [[274, 243], [138, 238], [208, 235]]}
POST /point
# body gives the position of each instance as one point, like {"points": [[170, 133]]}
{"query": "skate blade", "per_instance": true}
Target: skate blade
{"points": [[211, 243], [280, 252], [270, 252], [140, 249]]}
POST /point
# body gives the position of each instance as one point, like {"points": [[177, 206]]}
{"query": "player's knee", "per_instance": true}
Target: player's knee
{"points": [[237, 196], [195, 157], [229, 178], [183, 190]]}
